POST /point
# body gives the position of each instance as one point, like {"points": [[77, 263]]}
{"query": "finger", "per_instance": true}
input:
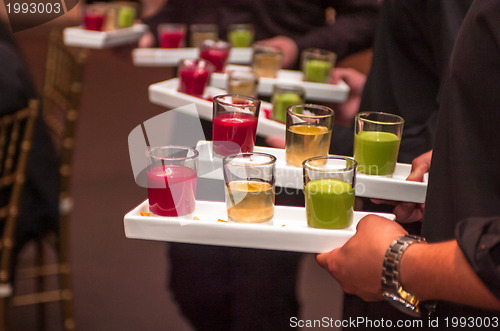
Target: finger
{"points": [[321, 259], [384, 202]]}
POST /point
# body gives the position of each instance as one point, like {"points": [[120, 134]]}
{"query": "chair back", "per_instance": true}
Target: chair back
{"points": [[61, 101], [16, 133]]}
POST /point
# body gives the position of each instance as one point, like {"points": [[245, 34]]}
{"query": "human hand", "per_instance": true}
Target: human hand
{"points": [[288, 47], [408, 212], [147, 40], [346, 111], [357, 266]]}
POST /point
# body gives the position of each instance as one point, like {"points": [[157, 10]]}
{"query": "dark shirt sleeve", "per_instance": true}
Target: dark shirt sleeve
{"points": [[353, 30], [479, 240]]}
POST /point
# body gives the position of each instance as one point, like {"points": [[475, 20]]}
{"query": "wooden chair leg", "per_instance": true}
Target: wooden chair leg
{"points": [[40, 285]]}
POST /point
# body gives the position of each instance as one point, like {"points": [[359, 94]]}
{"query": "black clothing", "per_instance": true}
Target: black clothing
{"points": [[463, 196], [40, 200], [412, 47], [303, 21], [464, 181], [222, 288]]}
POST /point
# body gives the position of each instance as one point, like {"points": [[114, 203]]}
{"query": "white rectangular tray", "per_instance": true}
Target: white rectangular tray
{"points": [[157, 57], [314, 91], [395, 188], [79, 37], [287, 231], [165, 94]]}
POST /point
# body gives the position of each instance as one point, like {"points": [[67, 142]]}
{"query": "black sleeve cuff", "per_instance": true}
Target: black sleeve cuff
{"points": [[479, 240]]}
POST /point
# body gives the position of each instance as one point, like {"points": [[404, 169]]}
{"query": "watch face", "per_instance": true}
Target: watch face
{"points": [[402, 305]]}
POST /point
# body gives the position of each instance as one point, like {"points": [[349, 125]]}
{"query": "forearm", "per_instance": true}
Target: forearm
{"points": [[439, 271]]}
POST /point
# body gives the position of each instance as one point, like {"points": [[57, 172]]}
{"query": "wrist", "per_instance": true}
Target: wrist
{"points": [[393, 289], [409, 276]]}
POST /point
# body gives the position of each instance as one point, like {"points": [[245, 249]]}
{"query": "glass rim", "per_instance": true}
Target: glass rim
{"points": [[229, 158], [235, 73], [267, 49], [219, 99], [204, 25], [398, 119], [310, 105], [241, 26], [318, 51], [306, 165], [150, 150], [196, 61], [178, 25], [216, 43]]}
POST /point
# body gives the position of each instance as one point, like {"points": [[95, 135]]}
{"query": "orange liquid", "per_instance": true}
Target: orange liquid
{"points": [[306, 141], [250, 201]]}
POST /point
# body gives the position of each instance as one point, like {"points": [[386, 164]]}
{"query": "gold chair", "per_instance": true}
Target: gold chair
{"points": [[60, 105], [16, 132]]}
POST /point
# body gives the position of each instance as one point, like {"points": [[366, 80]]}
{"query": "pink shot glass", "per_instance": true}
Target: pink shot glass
{"points": [[94, 17], [194, 75], [216, 52], [172, 35]]}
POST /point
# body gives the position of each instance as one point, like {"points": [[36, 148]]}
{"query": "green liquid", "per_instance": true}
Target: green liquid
{"points": [[376, 152], [281, 102], [329, 203], [126, 17], [317, 71], [241, 38]]}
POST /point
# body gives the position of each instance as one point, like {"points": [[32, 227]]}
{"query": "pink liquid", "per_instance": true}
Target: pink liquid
{"points": [[234, 132], [171, 39], [171, 190], [93, 21], [193, 81], [218, 57]]}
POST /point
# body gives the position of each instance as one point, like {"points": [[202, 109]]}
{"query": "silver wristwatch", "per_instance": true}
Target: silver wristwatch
{"points": [[392, 289]]}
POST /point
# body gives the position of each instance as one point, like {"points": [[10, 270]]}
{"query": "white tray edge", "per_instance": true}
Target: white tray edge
{"points": [[159, 57], [314, 91], [263, 236], [395, 188], [165, 94], [79, 37]]}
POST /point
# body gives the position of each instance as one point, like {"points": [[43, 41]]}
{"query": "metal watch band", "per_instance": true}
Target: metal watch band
{"points": [[391, 284]]}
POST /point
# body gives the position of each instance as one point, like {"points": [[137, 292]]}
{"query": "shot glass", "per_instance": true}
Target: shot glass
{"points": [[308, 132], [285, 96], [249, 187], [216, 52], [201, 32], [317, 64], [194, 75], [376, 142], [172, 35], [234, 124], [242, 82], [329, 191], [94, 17], [171, 178], [266, 60], [241, 35], [126, 14]]}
